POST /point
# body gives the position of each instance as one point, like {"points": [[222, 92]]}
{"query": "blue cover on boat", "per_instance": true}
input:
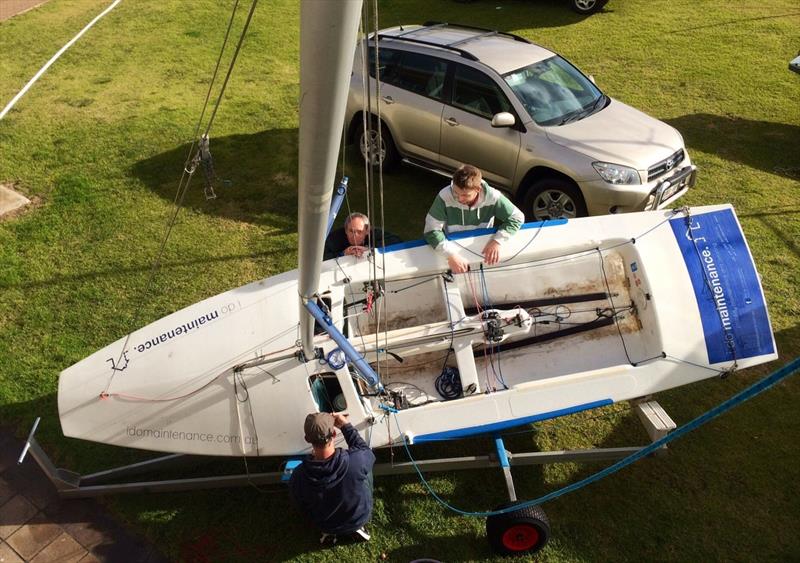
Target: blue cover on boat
{"points": [[726, 286]]}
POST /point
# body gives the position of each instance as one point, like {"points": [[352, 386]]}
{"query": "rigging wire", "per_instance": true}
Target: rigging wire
{"points": [[189, 168]]}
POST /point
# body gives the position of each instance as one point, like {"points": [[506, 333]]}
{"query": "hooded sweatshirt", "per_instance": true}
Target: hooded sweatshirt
{"points": [[447, 215], [336, 492]]}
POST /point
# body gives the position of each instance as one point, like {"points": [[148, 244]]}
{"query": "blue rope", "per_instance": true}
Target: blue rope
{"points": [[740, 397]]}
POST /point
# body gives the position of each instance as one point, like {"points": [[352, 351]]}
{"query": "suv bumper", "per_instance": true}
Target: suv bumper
{"points": [[672, 188], [602, 198]]}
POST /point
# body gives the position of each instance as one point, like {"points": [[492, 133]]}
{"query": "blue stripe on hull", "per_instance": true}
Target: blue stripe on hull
{"points": [[469, 234], [497, 426]]}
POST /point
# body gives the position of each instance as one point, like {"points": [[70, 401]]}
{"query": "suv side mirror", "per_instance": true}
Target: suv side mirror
{"points": [[503, 119], [591, 79]]}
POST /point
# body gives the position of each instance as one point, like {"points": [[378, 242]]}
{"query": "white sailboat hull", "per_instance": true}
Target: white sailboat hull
{"points": [[587, 312]]}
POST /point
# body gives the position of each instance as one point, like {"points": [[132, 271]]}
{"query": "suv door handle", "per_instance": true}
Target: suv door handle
{"points": [[451, 121], [388, 100]]}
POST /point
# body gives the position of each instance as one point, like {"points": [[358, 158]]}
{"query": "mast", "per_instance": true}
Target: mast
{"points": [[328, 33]]}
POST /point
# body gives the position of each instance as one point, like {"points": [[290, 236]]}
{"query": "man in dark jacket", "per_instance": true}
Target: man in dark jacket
{"points": [[355, 237], [333, 486]]}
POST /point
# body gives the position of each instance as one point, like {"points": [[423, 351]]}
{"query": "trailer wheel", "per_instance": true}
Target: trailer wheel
{"points": [[520, 532]]}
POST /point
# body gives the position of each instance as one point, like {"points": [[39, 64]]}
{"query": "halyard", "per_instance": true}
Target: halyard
{"points": [[99, 142]]}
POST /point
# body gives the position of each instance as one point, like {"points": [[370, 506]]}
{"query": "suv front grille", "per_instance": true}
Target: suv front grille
{"points": [[666, 165]]}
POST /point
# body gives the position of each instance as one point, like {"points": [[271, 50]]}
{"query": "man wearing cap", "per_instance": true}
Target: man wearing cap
{"points": [[334, 485]]}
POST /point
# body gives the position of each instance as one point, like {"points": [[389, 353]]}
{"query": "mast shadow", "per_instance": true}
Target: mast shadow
{"points": [[254, 177]]}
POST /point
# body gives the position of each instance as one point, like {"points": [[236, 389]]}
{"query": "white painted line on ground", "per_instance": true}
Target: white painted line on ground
{"points": [[55, 57]]}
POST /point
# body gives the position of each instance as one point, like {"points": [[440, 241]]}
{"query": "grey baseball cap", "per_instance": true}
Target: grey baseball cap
{"points": [[319, 427]]}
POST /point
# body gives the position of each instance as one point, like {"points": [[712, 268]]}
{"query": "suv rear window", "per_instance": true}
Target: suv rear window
{"points": [[389, 59], [475, 92], [421, 74]]}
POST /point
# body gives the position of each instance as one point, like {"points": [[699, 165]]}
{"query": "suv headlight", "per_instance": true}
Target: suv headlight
{"points": [[616, 173]]}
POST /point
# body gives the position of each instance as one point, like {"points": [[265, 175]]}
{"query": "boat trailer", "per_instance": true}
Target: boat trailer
{"points": [[70, 484]]}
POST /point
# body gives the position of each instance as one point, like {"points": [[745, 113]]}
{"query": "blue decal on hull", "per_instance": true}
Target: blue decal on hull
{"points": [[497, 426], [726, 286], [469, 234]]}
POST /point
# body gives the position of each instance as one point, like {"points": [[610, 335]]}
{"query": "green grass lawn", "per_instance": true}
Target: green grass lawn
{"points": [[99, 143]]}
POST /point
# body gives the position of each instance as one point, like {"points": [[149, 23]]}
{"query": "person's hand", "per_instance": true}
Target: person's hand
{"points": [[457, 264], [357, 251], [340, 419], [491, 252]]}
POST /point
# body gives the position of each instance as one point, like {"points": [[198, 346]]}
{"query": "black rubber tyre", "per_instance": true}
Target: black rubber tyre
{"points": [[388, 150], [586, 7], [553, 198], [520, 532]]}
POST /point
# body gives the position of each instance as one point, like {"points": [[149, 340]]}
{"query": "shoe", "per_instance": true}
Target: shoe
{"points": [[361, 535], [327, 540]]}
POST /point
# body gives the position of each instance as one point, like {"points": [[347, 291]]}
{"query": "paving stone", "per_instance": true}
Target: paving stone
{"points": [[84, 522], [8, 555], [125, 548], [34, 536], [63, 549], [15, 513], [6, 491], [71, 510], [35, 522], [10, 449], [29, 480]]}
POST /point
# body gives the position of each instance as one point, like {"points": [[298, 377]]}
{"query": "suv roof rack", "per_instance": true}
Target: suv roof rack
{"points": [[486, 31], [451, 46], [400, 37]]}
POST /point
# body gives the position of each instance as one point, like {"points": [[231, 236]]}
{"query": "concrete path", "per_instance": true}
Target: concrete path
{"points": [[11, 200], [10, 8], [38, 526]]}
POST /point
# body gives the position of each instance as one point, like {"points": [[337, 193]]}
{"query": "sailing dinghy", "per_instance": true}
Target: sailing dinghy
{"points": [[579, 314]]}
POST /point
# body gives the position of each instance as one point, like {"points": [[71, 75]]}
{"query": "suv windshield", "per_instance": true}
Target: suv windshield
{"points": [[554, 92]]}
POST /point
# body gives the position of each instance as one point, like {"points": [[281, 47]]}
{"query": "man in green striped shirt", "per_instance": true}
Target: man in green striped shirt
{"points": [[469, 203]]}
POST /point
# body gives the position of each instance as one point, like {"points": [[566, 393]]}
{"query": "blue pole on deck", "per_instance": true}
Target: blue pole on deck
{"points": [[336, 202], [362, 367]]}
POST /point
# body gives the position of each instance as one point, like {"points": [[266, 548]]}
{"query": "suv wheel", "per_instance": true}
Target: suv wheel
{"points": [[387, 152], [586, 7], [553, 198]]}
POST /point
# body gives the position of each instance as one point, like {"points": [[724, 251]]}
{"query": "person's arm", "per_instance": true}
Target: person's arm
{"points": [[509, 219], [360, 453], [351, 435], [353, 438], [434, 227], [434, 235]]}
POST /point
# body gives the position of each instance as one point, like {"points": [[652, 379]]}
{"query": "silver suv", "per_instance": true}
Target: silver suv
{"points": [[535, 125]]}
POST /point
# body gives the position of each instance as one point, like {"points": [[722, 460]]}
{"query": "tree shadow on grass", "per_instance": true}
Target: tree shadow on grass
{"points": [[255, 178], [257, 183], [763, 145]]}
